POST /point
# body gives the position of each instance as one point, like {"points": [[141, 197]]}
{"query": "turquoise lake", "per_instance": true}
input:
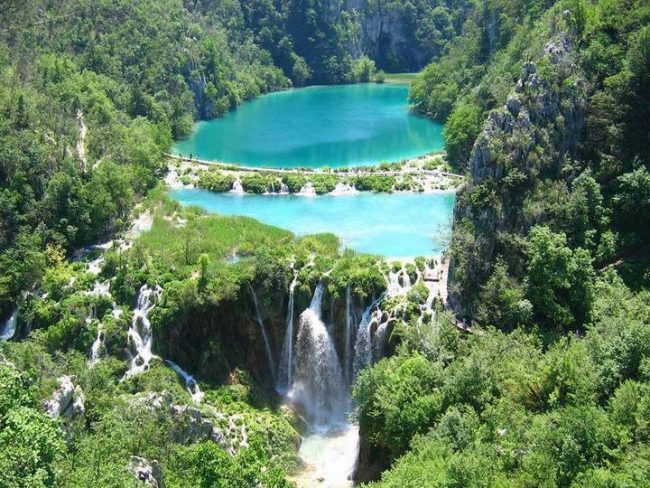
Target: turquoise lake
{"points": [[317, 126], [394, 225]]}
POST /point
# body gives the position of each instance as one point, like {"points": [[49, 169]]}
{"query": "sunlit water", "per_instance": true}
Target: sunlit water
{"points": [[329, 458], [317, 126], [395, 225]]}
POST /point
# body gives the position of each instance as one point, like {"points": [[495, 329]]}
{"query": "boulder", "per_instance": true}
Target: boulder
{"points": [[148, 472], [191, 425], [67, 399]]}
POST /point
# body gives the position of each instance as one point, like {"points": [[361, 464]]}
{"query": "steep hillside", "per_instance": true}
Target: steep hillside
{"points": [[550, 128]]}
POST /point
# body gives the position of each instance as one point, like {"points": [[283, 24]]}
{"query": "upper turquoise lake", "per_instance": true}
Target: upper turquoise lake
{"points": [[317, 126]]}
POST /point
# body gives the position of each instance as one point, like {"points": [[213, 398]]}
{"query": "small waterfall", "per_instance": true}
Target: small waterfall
{"points": [[379, 345], [347, 353], [96, 347], [267, 345], [344, 189], [190, 383], [284, 189], [237, 187], [307, 191], [363, 344], [318, 383], [8, 330], [285, 376], [406, 279], [140, 337]]}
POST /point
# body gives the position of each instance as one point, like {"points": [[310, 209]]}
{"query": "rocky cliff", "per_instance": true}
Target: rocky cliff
{"points": [[211, 340], [530, 139]]}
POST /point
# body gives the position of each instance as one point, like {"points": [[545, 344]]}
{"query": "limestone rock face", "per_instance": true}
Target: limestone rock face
{"points": [[147, 472], [541, 117], [191, 425], [202, 104], [67, 399]]}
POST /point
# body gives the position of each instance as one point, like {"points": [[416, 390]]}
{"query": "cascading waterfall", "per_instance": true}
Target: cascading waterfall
{"points": [[347, 344], [140, 337], [318, 382], [363, 344], [379, 344], [267, 345], [307, 191], [8, 329], [96, 347], [237, 187], [406, 279], [190, 383], [285, 376]]}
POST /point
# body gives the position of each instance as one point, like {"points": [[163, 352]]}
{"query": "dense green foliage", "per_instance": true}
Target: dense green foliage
{"points": [[546, 108], [146, 415], [31, 442], [132, 75], [565, 146], [135, 74], [496, 409], [546, 105]]}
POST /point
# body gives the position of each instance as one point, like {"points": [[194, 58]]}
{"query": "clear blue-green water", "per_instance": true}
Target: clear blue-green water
{"points": [[317, 126], [394, 225]]}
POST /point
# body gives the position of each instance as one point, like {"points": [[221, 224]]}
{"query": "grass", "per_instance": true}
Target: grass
{"points": [[179, 235]]}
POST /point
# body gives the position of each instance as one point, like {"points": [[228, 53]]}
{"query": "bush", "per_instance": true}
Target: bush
{"points": [[216, 181]]}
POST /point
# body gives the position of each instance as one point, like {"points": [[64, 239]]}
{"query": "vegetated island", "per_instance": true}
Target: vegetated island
{"points": [[426, 173]]}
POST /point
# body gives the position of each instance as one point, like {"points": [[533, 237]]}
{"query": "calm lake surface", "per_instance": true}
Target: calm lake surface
{"points": [[394, 225], [317, 126]]}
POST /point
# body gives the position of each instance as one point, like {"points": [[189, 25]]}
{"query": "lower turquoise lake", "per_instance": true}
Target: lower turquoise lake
{"points": [[318, 126], [396, 225]]}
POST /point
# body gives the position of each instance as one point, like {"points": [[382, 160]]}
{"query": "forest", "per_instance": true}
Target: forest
{"points": [[545, 108]]}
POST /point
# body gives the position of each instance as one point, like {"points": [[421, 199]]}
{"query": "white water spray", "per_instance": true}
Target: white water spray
{"points": [[96, 347], [237, 187], [8, 330], [190, 383], [140, 337], [318, 383], [347, 344]]}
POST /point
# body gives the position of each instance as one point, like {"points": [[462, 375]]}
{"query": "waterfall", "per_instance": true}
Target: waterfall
{"points": [[406, 279], [8, 330], [237, 187], [380, 340], [318, 382], [95, 348], [139, 336], [190, 383], [267, 346], [344, 189], [363, 346], [285, 376], [347, 353], [307, 191]]}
